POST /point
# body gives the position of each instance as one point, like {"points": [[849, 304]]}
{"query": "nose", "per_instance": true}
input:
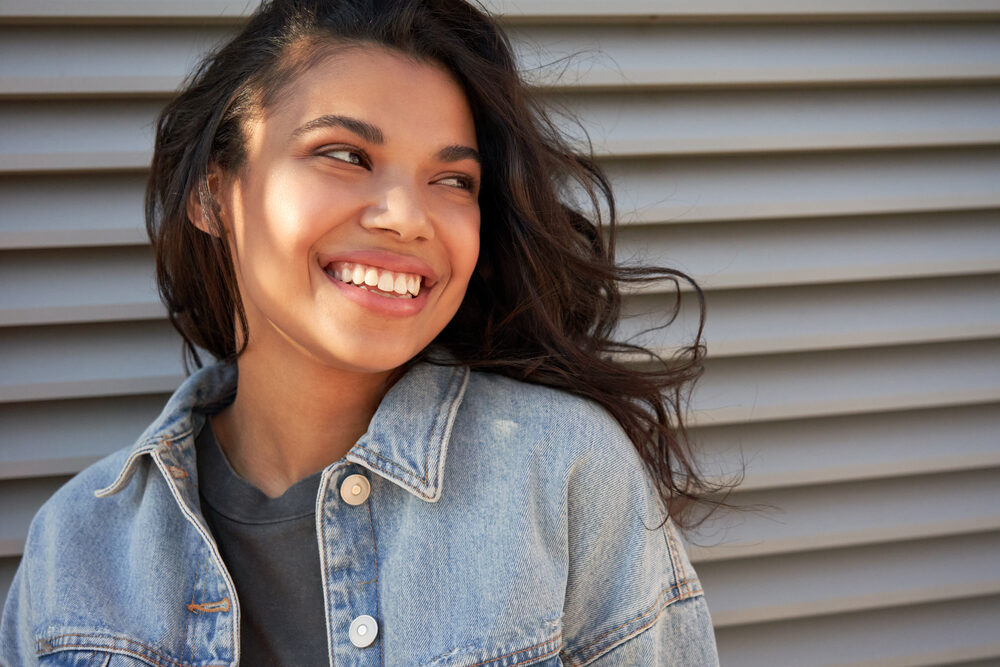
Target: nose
{"points": [[400, 210]]}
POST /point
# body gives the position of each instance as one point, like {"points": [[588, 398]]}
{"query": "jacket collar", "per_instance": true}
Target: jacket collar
{"points": [[406, 442]]}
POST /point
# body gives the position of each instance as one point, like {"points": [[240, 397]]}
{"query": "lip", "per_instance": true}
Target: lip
{"points": [[382, 259], [393, 262]]}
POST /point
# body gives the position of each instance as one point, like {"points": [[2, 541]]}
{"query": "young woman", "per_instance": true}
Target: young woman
{"points": [[419, 445]]}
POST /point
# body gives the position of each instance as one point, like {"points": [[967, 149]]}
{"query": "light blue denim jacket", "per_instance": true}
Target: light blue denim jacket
{"points": [[507, 524]]}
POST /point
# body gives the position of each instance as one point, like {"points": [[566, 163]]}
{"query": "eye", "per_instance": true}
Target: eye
{"points": [[456, 181], [346, 154]]}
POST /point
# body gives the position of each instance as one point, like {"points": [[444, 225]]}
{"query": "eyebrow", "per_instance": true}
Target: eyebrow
{"points": [[457, 153], [373, 135], [366, 131]]}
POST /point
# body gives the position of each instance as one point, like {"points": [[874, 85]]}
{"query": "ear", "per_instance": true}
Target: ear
{"points": [[209, 221]]}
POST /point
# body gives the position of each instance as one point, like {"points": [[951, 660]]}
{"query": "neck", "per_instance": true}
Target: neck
{"points": [[293, 417]]}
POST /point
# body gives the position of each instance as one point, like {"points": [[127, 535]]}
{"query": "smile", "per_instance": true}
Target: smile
{"points": [[391, 284]]}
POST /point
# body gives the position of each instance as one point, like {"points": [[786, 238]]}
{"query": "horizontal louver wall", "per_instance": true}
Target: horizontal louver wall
{"points": [[829, 172]]}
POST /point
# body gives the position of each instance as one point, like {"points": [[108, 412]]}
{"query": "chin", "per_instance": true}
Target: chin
{"points": [[370, 357]]}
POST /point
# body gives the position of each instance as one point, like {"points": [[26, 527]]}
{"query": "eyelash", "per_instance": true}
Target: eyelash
{"points": [[363, 160], [464, 182]]}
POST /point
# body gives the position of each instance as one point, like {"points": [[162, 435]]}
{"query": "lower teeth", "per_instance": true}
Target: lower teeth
{"points": [[380, 292], [390, 295]]}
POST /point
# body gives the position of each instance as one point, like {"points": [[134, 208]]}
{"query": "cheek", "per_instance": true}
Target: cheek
{"points": [[289, 213], [463, 244], [293, 209]]}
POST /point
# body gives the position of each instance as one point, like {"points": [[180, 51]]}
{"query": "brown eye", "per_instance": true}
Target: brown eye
{"points": [[461, 182], [348, 155]]}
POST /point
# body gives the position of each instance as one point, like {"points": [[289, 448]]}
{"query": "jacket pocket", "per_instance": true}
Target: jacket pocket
{"points": [[89, 658], [540, 654]]}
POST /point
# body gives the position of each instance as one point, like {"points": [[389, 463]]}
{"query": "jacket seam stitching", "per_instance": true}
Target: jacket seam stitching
{"points": [[190, 617], [523, 650], [444, 411], [206, 540], [433, 436], [116, 649], [378, 605], [675, 560], [395, 465], [681, 592], [396, 477], [320, 518]]}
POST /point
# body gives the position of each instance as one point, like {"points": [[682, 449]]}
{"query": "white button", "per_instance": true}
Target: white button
{"points": [[355, 489], [364, 630]]}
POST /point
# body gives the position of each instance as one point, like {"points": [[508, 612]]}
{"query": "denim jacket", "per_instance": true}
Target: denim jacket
{"points": [[506, 524]]}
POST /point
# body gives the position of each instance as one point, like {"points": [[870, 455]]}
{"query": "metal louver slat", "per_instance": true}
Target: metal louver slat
{"points": [[61, 437], [77, 135], [191, 11], [822, 250], [854, 447], [145, 60], [828, 317], [99, 60], [818, 517], [799, 185], [913, 636], [870, 577], [88, 360], [816, 384], [682, 122], [662, 55], [85, 210], [87, 285]]}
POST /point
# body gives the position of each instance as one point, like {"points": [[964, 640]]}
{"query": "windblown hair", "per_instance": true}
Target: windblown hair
{"points": [[545, 299]]}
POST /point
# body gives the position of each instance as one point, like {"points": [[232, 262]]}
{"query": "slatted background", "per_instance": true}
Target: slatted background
{"points": [[829, 171]]}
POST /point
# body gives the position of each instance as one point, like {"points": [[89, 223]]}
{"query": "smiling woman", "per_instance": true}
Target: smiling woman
{"points": [[417, 444], [366, 166], [369, 161]]}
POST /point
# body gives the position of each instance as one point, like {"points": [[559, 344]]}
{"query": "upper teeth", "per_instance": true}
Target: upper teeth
{"points": [[373, 276]]}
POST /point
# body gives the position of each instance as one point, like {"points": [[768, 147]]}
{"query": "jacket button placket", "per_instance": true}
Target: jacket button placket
{"points": [[350, 568]]}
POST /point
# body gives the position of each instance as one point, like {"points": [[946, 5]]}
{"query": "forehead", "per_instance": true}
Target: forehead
{"points": [[396, 92]]}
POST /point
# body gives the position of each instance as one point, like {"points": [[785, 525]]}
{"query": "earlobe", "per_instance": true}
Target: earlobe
{"points": [[203, 209]]}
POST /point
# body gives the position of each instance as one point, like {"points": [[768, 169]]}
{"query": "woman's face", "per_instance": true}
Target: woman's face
{"points": [[354, 225]]}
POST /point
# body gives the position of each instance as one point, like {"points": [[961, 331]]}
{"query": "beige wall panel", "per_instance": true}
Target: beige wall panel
{"points": [[909, 636], [829, 172]]}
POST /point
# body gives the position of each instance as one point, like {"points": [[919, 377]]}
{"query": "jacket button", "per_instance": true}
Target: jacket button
{"points": [[355, 490], [364, 629]]}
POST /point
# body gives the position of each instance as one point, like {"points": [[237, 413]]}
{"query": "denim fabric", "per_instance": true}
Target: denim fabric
{"points": [[508, 524]]}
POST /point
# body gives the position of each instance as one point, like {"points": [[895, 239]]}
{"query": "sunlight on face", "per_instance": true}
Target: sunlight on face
{"points": [[355, 222]]}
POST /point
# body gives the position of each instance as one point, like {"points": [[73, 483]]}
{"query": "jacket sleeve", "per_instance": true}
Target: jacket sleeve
{"points": [[632, 597], [17, 645]]}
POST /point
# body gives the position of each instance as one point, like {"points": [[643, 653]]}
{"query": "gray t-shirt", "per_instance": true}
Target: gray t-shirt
{"points": [[269, 546]]}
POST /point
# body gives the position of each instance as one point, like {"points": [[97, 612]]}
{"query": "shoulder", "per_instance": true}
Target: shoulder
{"points": [[580, 453], [74, 514], [582, 449], [575, 427], [76, 500], [502, 393], [72, 537], [631, 594]]}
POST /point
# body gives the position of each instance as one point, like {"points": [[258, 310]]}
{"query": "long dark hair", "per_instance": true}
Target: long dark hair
{"points": [[545, 299]]}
